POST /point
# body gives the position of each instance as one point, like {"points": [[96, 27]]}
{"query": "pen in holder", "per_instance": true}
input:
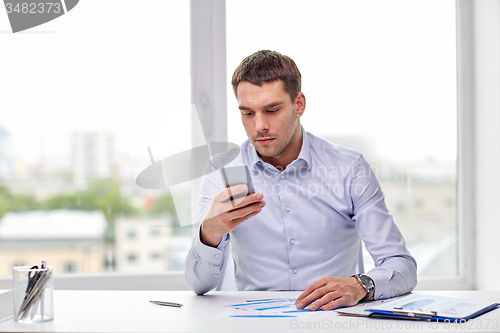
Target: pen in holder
{"points": [[33, 293]]}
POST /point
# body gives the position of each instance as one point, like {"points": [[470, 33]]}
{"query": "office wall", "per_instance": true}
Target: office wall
{"points": [[486, 64]]}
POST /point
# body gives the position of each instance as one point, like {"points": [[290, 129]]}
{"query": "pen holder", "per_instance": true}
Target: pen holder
{"points": [[33, 294]]}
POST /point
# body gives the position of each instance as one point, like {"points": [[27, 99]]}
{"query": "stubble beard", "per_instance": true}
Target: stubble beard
{"points": [[279, 150]]}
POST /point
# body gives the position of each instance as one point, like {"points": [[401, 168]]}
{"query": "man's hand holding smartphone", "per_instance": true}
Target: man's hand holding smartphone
{"points": [[230, 207]]}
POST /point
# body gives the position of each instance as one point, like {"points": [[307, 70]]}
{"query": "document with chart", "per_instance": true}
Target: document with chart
{"points": [[271, 307], [432, 308]]}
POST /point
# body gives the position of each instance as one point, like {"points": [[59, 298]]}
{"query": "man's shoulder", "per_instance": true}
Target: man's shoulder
{"points": [[324, 147]]}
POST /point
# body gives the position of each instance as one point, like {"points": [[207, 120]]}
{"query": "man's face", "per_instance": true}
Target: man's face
{"points": [[269, 116]]}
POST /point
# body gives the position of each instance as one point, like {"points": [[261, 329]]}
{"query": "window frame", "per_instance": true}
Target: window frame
{"points": [[465, 158]]}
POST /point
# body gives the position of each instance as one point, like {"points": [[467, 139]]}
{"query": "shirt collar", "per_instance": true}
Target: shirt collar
{"points": [[305, 152]]}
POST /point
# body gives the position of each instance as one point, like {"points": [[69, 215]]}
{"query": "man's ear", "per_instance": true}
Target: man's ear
{"points": [[300, 101]]}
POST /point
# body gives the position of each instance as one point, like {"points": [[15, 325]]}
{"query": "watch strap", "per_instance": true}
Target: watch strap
{"points": [[368, 287]]}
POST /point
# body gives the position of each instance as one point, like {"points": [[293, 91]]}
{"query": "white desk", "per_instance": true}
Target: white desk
{"points": [[130, 311]]}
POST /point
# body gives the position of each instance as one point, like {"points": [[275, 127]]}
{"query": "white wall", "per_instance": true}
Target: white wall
{"points": [[486, 33]]}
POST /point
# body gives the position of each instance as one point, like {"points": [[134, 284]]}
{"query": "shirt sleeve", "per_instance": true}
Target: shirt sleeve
{"points": [[204, 263], [395, 271]]}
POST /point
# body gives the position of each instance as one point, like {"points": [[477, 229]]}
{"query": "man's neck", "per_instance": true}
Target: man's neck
{"points": [[290, 154]]}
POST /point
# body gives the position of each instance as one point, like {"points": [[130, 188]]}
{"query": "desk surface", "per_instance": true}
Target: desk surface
{"points": [[130, 311]]}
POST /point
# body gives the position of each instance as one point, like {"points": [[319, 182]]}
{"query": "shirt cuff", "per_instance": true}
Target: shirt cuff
{"points": [[382, 284], [212, 255]]}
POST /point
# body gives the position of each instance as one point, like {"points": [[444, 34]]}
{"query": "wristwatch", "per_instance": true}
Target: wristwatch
{"points": [[366, 282]]}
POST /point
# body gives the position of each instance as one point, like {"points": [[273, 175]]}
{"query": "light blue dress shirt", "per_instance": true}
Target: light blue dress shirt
{"points": [[317, 209]]}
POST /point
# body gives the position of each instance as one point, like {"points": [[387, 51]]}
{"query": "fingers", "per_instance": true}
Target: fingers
{"points": [[232, 191], [221, 203], [248, 200], [329, 293], [246, 217], [310, 294], [224, 203], [239, 215], [335, 304], [330, 301]]}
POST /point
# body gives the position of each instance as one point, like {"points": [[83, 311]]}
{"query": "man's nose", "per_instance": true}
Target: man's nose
{"points": [[261, 124]]}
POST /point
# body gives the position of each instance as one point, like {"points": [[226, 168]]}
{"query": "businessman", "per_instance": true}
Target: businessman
{"points": [[314, 201]]}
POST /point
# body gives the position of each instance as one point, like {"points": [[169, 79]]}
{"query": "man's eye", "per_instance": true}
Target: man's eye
{"points": [[272, 111], [247, 113]]}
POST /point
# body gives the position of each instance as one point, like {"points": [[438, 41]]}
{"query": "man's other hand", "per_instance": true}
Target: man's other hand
{"points": [[225, 215], [330, 293]]}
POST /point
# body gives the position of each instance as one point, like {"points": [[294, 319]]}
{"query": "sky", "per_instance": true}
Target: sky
{"points": [[385, 70]]}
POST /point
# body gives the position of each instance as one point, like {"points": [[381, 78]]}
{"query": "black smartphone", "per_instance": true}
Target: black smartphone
{"points": [[237, 174]]}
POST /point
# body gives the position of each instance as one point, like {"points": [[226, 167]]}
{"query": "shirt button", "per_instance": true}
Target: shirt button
{"points": [[294, 271], [217, 255], [287, 208], [282, 176], [292, 241], [216, 274]]}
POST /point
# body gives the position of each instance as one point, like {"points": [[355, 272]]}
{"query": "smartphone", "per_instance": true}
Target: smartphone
{"points": [[237, 174]]}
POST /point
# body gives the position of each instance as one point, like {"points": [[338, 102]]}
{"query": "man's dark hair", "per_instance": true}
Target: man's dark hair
{"points": [[267, 66]]}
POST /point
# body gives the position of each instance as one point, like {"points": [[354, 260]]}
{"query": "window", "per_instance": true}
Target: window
{"points": [[155, 232], [80, 107], [383, 82], [70, 267], [132, 257], [85, 90]]}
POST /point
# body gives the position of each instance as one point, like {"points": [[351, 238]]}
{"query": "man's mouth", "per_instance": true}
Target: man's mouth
{"points": [[265, 141]]}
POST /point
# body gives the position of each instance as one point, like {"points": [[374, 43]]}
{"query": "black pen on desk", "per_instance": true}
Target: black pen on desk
{"points": [[177, 305]]}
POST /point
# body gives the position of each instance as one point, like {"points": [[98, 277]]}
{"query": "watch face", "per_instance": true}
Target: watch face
{"points": [[367, 281]]}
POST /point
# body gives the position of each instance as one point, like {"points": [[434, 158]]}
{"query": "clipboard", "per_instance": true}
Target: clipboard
{"points": [[435, 308], [359, 310]]}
